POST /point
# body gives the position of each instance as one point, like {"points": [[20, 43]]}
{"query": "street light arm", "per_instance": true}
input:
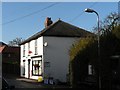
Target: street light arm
{"points": [[96, 13], [91, 11]]}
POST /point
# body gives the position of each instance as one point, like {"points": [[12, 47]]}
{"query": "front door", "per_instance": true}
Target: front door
{"points": [[28, 68]]}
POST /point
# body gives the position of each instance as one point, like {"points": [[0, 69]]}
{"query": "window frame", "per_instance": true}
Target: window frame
{"points": [[38, 67], [91, 70], [23, 67], [36, 47], [28, 48], [47, 64], [24, 50]]}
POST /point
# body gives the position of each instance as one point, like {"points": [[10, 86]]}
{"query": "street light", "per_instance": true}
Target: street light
{"points": [[98, 37]]}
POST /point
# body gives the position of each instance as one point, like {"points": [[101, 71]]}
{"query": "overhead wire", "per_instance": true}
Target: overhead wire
{"points": [[19, 10], [22, 17], [75, 18], [38, 11]]}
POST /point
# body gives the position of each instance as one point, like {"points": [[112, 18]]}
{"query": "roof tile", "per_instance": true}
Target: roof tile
{"points": [[60, 29]]}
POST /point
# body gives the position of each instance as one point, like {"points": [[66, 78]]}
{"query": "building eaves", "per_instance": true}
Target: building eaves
{"points": [[60, 29]]}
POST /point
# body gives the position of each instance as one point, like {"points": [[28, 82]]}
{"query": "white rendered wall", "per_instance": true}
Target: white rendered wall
{"points": [[57, 53], [28, 56]]}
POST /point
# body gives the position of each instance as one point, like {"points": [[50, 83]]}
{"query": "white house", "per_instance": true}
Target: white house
{"points": [[46, 53]]}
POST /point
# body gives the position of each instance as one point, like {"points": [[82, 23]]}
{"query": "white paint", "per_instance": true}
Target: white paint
{"points": [[29, 56], [45, 44], [56, 53]]}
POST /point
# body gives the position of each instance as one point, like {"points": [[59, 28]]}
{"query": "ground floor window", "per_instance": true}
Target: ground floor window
{"points": [[47, 64], [36, 67], [23, 67], [91, 70]]}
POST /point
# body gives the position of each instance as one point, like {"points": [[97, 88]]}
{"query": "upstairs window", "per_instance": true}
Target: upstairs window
{"points": [[36, 47], [28, 48], [23, 50]]}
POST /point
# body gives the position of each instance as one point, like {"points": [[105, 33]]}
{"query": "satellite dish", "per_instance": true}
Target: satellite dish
{"points": [[45, 44]]}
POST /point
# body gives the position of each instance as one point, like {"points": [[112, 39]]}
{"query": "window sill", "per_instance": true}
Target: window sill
{"points": [[37, 75]]}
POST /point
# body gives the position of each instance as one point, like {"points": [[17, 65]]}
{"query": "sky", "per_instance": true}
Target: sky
{"points": [[24, 19]]}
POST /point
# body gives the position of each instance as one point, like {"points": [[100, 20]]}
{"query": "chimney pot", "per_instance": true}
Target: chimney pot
{"points": [[48, 21]]}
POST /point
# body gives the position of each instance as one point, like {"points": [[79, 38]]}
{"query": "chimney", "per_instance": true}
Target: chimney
{"points": [[48, 21]]}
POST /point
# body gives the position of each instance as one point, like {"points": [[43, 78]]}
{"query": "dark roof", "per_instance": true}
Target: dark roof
{"points": [[2, 43], [60, 29]]}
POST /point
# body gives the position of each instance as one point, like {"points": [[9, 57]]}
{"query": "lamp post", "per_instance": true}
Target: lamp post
{"points": [[98, 37]]}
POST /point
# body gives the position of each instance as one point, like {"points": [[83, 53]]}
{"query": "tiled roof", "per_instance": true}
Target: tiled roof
{"points": [[1, 48], [1, 43], [60, 29]]}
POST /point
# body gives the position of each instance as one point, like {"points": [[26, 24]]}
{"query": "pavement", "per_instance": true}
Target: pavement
{"points": [[41, 83], [18, 78], [33, 82], [27, 80]]}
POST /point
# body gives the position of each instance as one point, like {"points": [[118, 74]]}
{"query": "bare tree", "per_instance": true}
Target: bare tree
{"points": [[109, 23], [15, 42]]}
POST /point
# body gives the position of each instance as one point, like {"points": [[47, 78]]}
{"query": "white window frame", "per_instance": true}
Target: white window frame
{"points": [[36, 47], [91, 69], [37, 70], [24, 50]]}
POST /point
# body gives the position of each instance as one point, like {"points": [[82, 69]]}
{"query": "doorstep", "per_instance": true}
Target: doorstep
{"points": [[28, 80]]}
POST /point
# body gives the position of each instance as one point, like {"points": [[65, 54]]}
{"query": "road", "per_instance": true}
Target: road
{"points": [[19, 82], [22, 83]]}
